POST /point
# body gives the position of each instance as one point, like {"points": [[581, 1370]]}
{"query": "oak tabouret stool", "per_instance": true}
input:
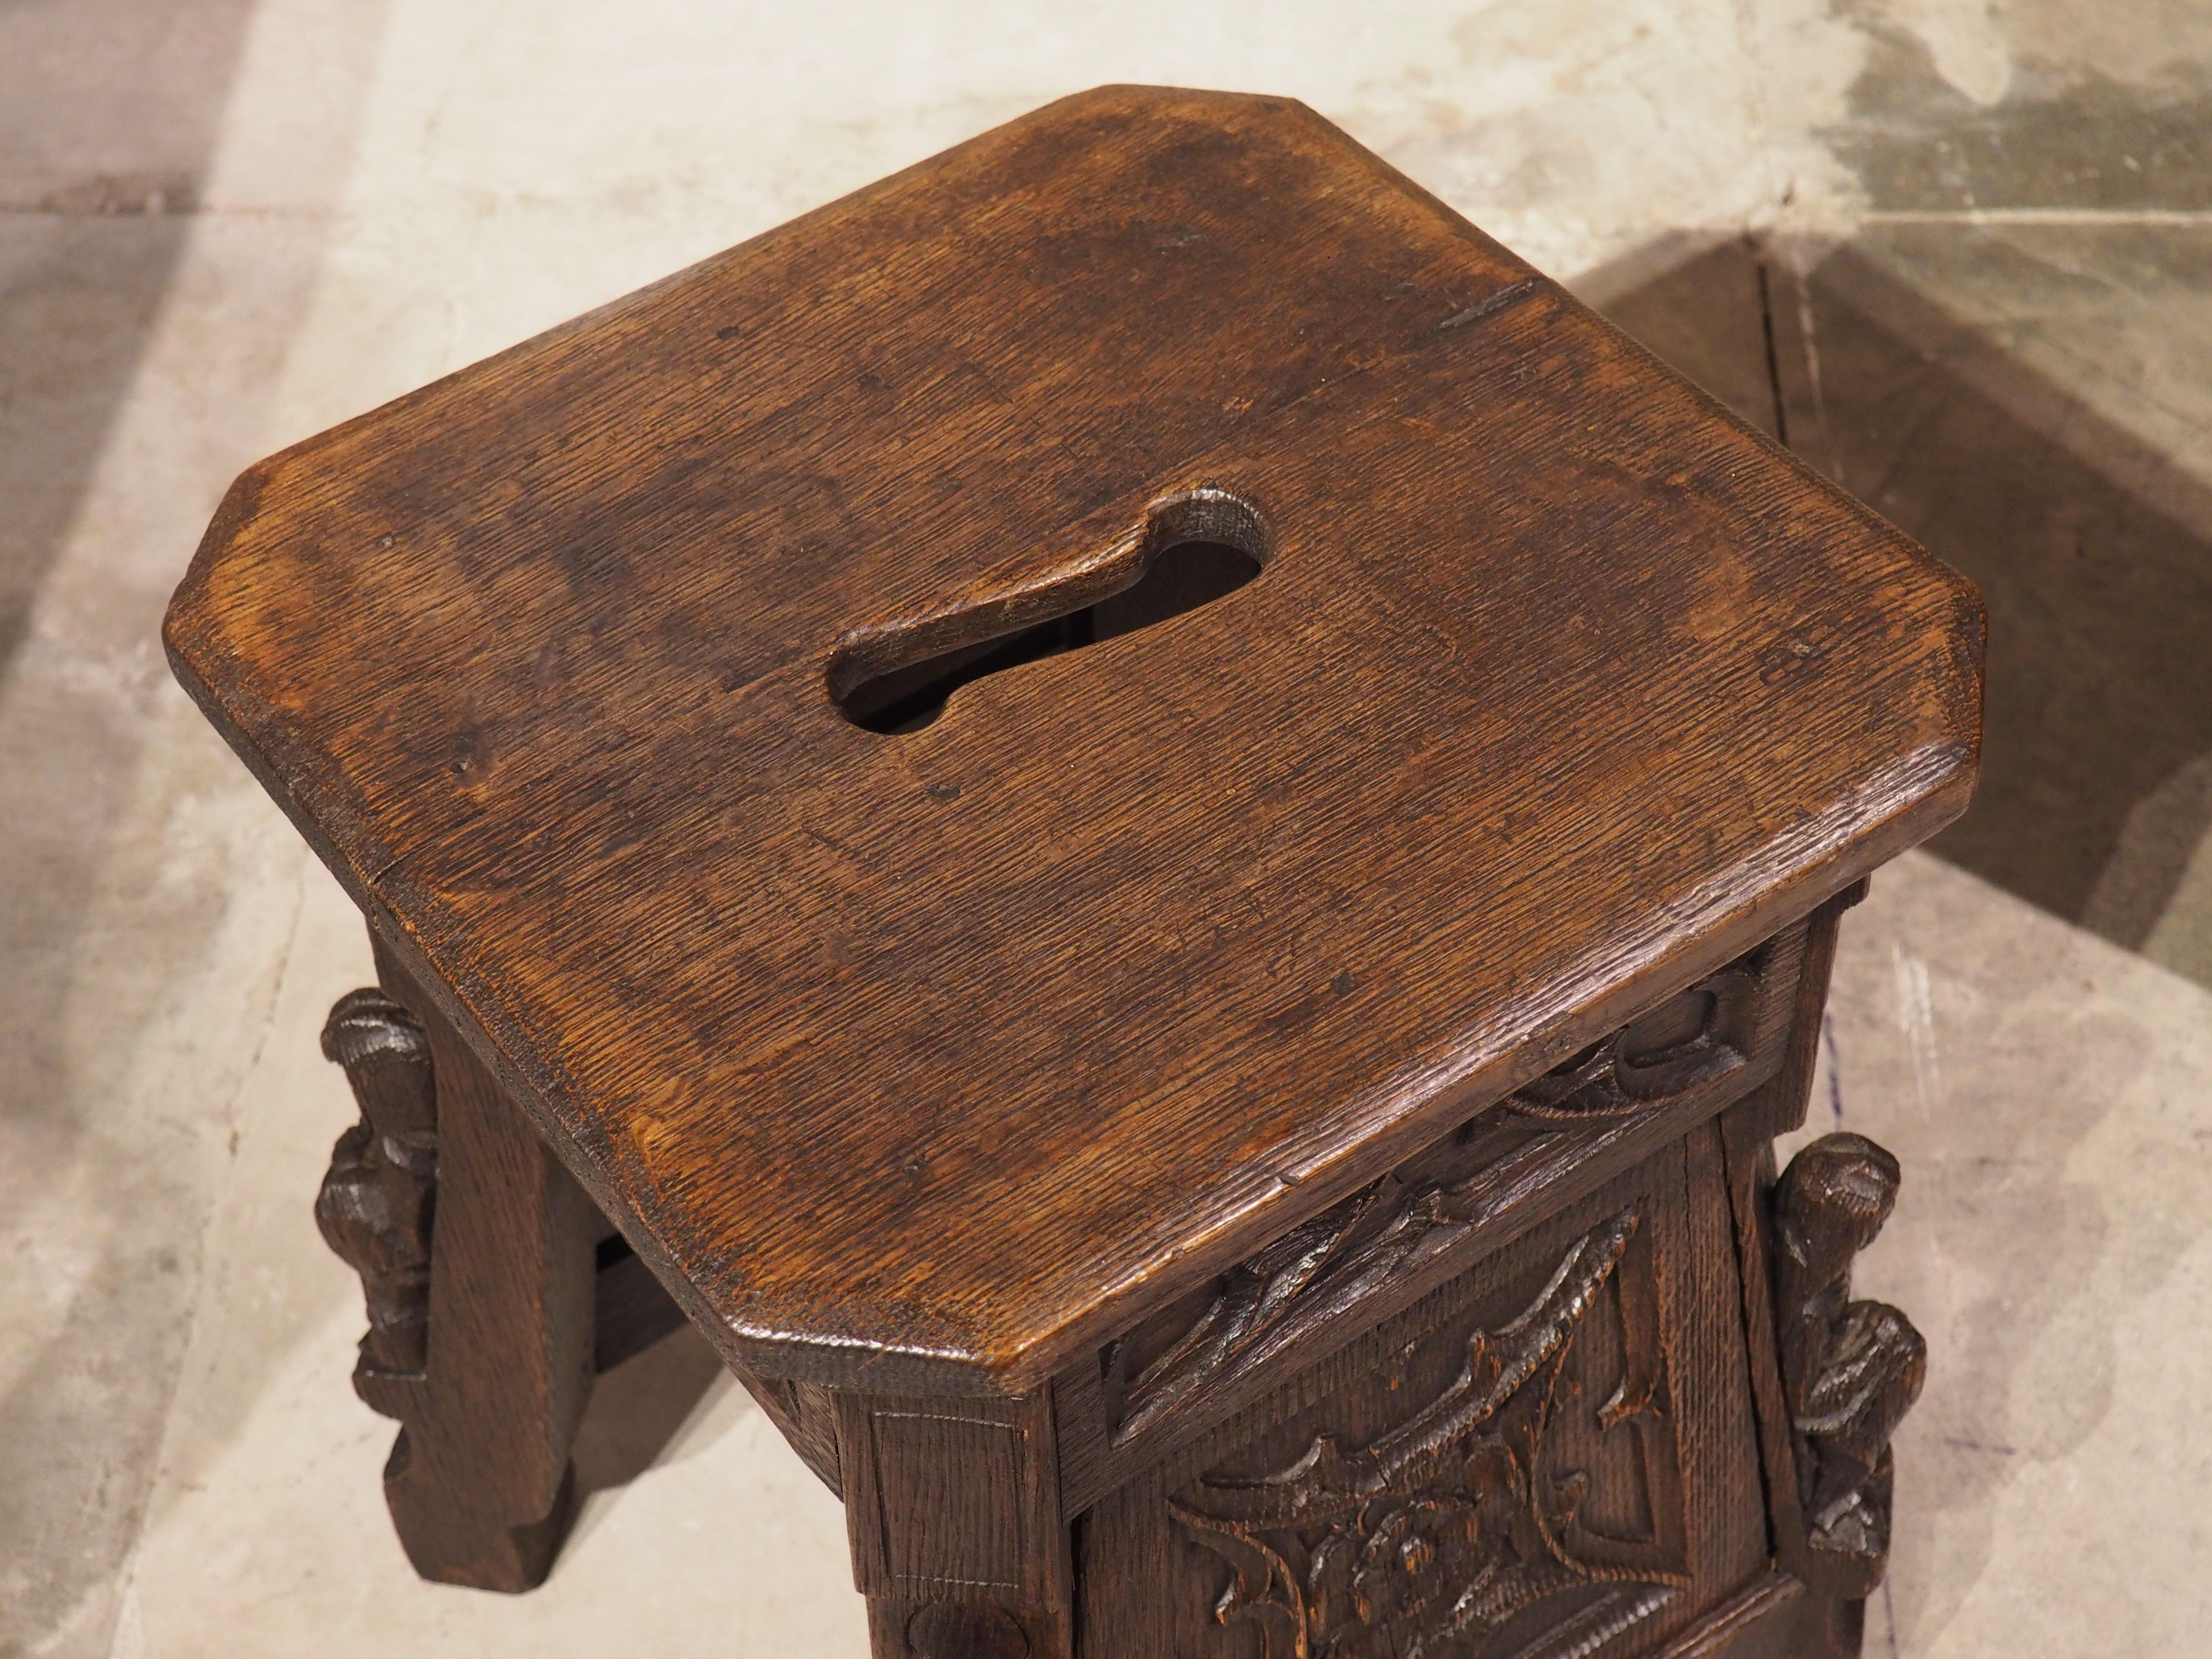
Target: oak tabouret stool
{"points": [[1164, 838]]}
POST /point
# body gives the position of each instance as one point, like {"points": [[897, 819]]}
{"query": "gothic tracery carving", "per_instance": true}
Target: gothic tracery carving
{"points": [[1428, 1541]]}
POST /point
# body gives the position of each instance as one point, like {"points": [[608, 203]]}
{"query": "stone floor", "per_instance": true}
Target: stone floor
{"points": [[1958, 254]]}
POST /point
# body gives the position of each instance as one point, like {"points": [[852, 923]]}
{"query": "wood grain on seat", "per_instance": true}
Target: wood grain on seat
{"points": [[913, 1059]]}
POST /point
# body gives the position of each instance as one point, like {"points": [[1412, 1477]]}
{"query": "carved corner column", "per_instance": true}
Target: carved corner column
{"points": [[1831, 1377], [474, 1250], [953, 1507], [1849, 1370], [378, 1201]]}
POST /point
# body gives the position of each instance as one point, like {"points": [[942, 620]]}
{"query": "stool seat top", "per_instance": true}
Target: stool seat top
{"points": [[923, 1024]]}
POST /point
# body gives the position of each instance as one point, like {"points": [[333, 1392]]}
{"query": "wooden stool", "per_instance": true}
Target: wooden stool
{"points": [[1165, 839]]}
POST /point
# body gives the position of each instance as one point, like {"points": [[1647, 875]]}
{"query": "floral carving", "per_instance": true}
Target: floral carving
{"points": [[1687, 1040], [1304, 1278], [1424, 1543]]}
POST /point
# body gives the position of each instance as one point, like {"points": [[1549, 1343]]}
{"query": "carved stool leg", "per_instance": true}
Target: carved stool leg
{"points": [[475, 1249], [953, 1509]]}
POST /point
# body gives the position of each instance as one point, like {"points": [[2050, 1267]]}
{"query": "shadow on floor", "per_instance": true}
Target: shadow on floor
{"points": [[2094, 553], [108, 118], [109, 114], [112, 115], [639, 1407], [2093, 550]]}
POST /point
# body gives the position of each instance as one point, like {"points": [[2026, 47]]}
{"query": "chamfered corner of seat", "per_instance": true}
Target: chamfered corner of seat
{"points": [[187, 622], [1144, 97]]}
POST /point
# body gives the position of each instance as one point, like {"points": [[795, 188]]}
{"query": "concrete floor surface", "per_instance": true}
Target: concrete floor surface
{"points": [[1954, 254]]}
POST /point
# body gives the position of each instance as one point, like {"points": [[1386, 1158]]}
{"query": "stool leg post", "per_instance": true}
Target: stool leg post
{"points": [[1831, 1376], [952, 1508], [475, 1249]]}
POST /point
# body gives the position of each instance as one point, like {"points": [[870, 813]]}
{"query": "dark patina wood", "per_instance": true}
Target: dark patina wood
{"points": [[476, 1248], [1130, 803]]}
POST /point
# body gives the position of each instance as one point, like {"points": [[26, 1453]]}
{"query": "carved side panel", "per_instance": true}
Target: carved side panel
{"points": [[1310, 1276], [1438, 1534], [376, 1205], [1641, 1082], [1849, 1370], [1513, 1467]]}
